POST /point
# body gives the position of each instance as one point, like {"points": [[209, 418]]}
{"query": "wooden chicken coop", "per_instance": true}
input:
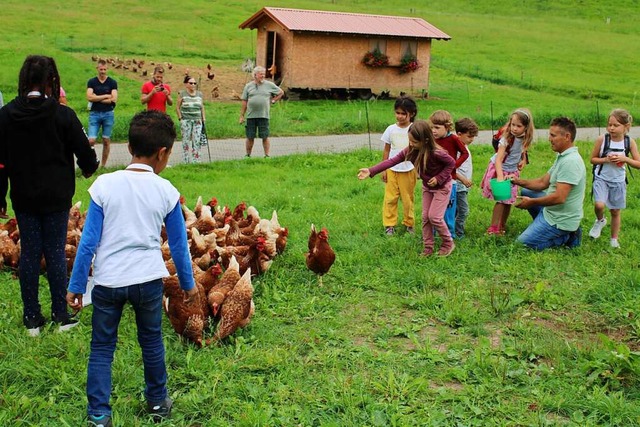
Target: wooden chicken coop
{"points": [[311, 51]]}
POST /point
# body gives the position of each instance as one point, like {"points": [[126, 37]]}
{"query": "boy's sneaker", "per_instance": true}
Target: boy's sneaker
{"points": [[389, 231], [66, 323], [34, 325], [598, 225], [160, 411], [615, 243], [410, 230], [99, 421]]}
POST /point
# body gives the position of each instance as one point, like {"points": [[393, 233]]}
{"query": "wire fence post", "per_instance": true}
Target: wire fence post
{"points": [[366, 110], [204, 125]]}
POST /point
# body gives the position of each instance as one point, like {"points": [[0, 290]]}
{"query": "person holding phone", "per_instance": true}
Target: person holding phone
{"points": [[156, 94]]}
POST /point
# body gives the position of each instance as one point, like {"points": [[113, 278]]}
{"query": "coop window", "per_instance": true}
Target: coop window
{"points": [[409, 48], [378, 44]]}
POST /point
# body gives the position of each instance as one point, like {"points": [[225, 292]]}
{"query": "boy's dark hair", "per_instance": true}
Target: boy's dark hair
{"points": [[567, 124], [149, 131], [408, 105], [39, 72], [466, 125]]}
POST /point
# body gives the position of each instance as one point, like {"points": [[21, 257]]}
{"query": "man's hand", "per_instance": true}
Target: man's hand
{"points": [[524, 202]]}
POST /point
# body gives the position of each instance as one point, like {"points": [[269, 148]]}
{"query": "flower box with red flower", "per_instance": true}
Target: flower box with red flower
{"points": [[409, 64], [375, 59]]}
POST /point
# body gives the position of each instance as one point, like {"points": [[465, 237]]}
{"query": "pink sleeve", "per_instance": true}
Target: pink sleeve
{"points": [[63, 94]]}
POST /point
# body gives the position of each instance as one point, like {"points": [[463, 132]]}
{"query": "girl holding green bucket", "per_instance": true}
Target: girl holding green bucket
{"points": [[505, 164]]}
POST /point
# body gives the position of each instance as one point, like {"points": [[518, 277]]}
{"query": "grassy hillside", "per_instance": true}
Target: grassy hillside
{"points": [[553, 56]]}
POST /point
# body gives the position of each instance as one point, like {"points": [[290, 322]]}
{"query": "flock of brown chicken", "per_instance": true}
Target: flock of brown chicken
{"points": [[227, 247], [220, 238]]}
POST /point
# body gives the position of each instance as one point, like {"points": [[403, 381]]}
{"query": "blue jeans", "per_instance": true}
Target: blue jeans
{"points": [[98, 119], [108, 303], [462, 212], [42, 234], [534, 210], [541, 235]]}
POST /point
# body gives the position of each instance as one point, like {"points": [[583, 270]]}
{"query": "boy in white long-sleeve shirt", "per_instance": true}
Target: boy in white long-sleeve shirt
{"points": [[122, 230]]}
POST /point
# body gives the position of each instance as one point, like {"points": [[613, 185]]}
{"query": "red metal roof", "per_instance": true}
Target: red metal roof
{"points": [[347, 23]]}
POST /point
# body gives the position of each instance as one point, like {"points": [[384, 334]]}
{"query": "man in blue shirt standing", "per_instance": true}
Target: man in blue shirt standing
{"points": [[102, 94]]}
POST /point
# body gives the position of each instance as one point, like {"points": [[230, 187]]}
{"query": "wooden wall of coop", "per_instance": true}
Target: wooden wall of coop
{"points": [[324, 61]]}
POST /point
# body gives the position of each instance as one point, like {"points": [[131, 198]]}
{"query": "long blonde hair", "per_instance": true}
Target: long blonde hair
{"points": [[420, 131]]}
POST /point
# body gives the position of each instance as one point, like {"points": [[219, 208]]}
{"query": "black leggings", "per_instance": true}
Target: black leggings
{"points": [[43, 234]]}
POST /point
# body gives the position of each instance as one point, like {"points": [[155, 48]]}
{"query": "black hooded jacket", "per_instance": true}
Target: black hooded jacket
{"points": [[38, 141]]}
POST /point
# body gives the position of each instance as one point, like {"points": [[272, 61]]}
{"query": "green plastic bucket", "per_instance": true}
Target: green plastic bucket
{"points": [[501, 189]]}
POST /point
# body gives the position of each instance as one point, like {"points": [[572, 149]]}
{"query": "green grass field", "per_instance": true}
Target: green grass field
{"points": [[494, 335]]}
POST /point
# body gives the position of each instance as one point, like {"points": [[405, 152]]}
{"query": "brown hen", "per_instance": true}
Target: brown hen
{"points": [[188, 320], [321, 256], [227, 282], [237, 309]]}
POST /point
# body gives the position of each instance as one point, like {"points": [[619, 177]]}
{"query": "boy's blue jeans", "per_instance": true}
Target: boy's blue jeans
{"points": [[108, 303], [462, 212]]}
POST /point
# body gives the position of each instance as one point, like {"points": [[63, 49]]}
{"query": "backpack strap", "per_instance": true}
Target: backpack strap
{"points": [[603, 151], [627, 145], [627, 150]]}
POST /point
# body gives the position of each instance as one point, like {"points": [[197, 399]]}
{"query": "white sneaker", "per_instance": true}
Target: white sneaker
{"points": [[34, 332], [598, 225], [614, 243]]}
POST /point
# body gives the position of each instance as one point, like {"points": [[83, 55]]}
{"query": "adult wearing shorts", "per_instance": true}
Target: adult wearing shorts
{"points": [[102, 94], [257, 97]]}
